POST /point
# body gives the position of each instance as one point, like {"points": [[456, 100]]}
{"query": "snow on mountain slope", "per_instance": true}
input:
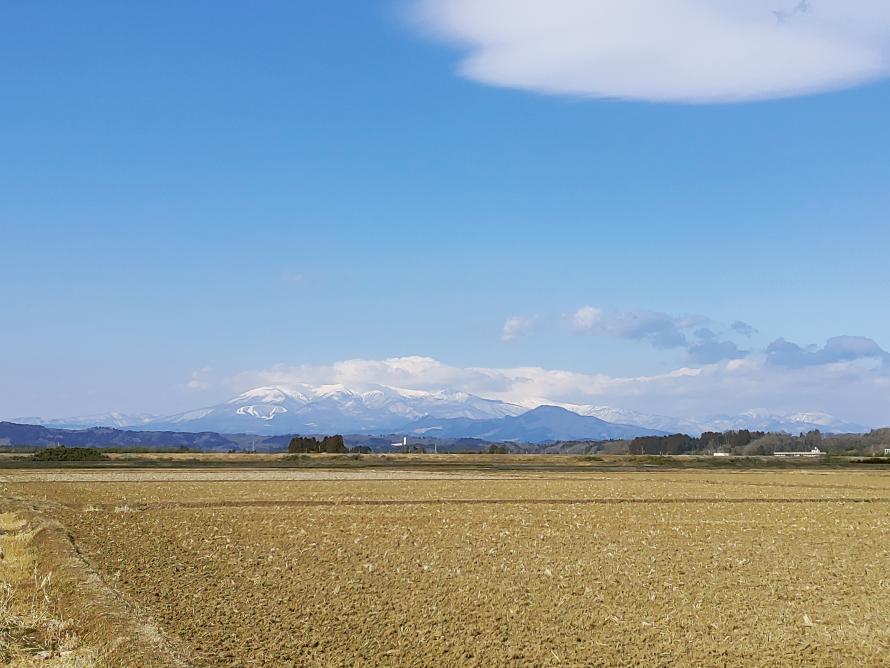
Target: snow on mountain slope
{"points": [[664, 423], [753, 420], [793, 424], [113, 420], [261, 412], [327, 408], [302, 408]]}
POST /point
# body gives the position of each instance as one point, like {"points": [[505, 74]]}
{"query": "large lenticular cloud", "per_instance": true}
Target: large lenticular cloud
{"points": [[666, 50]]}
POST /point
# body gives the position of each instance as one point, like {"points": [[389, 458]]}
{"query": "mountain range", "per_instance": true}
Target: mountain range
{"points": [[544, 424], [754, 420], [311, 409]]}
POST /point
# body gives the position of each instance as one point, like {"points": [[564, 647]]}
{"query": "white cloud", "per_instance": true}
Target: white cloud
{"points": [[411, 372], [586, 318], [198, 380], [666, 50], [516, 326], [846, 389], [292, 277]]}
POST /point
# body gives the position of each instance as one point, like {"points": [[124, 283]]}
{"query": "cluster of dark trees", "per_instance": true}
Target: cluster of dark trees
{"points": [[768, 444], [747, 443], [710, 441], [675, 444], [63, 454], [723, 440], [332, 444]]}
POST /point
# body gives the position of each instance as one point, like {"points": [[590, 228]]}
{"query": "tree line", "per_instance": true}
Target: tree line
{"points": [[331, 444], [747, 443]]}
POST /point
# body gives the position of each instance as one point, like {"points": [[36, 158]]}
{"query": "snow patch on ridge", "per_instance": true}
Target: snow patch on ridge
{"points": [[261, 412]]}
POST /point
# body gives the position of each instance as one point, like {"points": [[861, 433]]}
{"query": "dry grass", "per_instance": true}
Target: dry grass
{"points": [[56, 612], [32, 633]]}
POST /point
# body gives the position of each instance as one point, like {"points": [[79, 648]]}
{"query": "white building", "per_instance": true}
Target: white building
{"points": [[815, 452]]}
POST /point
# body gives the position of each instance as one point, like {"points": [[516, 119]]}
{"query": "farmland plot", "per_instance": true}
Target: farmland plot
{"points": [[681, 568]]}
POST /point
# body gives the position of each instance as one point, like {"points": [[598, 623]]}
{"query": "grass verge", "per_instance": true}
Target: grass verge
{"points": [[32, 631], [55, 611]]}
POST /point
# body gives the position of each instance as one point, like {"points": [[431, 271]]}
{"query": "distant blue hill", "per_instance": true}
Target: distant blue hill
{"points": [[13, 434], [539, 425]]}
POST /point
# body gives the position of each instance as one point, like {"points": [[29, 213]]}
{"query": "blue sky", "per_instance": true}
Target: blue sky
{"points": [[205, 192]]}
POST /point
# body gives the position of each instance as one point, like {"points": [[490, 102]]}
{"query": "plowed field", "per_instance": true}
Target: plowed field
{"points": [[628, 569]]}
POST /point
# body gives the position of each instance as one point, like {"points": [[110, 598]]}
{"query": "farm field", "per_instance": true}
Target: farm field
{"points": [[340, 568]]}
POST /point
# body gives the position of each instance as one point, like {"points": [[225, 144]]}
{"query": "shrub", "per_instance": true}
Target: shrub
{"points": [[63, 454]]}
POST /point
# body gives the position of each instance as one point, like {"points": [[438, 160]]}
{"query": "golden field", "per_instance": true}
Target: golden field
{"points": [[516, 568]]}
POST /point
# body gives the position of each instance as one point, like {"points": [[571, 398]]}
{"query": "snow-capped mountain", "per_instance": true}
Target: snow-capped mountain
{"points": [[303, 409], [753, 420], [793, 423], [113, 420], [664, 423], [330, 408]]}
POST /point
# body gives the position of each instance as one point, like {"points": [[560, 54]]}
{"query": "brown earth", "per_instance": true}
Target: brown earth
{"points": [[281, 568]]}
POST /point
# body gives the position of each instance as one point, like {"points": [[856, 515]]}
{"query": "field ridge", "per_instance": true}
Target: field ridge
{"points": [[122, 633]]}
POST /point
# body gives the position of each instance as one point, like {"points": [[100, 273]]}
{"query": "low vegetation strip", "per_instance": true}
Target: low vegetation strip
{"points": [[152, 487], [309, 503], [430, 463], [56, 475]]}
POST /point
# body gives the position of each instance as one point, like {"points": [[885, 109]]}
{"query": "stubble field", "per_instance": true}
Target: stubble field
{"points": [[328, 568]]}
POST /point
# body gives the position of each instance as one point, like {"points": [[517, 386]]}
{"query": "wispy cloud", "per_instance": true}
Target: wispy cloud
{"points": [[291, 277], [665, 50], [837, 349], [516, 326], [198, 380], [704, 346], [707, 348], [743, 328], [660, 329]]}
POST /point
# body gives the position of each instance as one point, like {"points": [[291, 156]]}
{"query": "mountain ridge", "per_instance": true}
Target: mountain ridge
{"points": [[304, 408], [538, 425]]}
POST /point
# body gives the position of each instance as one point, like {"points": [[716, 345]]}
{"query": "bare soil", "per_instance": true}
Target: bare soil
{"points": [[344, 568]]}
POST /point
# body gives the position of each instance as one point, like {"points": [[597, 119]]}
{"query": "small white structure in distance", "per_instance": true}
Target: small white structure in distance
{"points": [[815, 452], [722, 454], [406, 448], [887, 451]]}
